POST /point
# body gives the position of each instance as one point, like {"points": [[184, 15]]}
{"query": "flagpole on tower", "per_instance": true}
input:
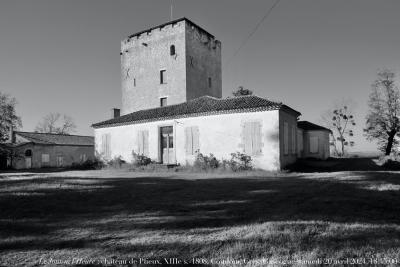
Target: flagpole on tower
{"points": [[172, 9]]}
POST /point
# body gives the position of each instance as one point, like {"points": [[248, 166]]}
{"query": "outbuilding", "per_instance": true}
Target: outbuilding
{"points": [[313, 140], [28, 150]]}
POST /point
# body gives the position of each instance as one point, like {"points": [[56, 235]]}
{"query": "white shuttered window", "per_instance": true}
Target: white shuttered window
{"points": [[143, 143], [192, 144], [106, 145], [252, 138]]}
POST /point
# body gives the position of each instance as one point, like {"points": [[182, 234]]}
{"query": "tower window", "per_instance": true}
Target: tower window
{"points": [[172, 50], [134, 82], [163, 76], [163, 101], [209, 82]]}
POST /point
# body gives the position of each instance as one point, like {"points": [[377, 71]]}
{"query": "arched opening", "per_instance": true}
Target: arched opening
{"points": [[172, 50], [28, 153]]}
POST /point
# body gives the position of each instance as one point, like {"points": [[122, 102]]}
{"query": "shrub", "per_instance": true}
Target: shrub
{"points": [[140, 160], [391, 162], [116, 162], [89, 164], [206, 163], [239, 162]]}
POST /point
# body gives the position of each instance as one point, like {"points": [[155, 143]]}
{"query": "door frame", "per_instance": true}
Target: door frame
{"points": [[160, 154], [29, 157]]}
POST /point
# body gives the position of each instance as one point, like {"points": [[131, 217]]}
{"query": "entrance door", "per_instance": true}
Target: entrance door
{"points": [[28, 162], [167, 145], [60, 161], [28, 159]]}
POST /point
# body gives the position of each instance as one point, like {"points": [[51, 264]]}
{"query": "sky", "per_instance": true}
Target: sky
{"points": [[63, 56]]}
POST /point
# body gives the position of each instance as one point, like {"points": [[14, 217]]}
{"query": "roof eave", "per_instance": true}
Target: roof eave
{"points": [[259, 109]]}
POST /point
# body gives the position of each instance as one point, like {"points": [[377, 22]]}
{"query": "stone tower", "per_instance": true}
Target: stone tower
{"points": [[169, 64]]}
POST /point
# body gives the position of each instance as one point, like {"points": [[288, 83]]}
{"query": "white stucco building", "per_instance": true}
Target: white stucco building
{"points": [[172, 106]]}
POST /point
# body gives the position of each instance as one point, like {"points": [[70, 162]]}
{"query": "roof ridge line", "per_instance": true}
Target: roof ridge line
{"points": [[54, 134]]}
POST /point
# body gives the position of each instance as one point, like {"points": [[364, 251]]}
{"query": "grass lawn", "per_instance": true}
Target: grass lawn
{"points": [[252, 217]]}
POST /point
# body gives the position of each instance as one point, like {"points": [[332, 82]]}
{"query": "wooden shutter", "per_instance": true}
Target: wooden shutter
{"points": [[188, 141], [314, 143], [247, 140], [145, 143], [195, 140], [293, 140], [140, 142], [256, 138], [299, 141], [103, 144], [192, 143], [286, 138], [108, 145], [252, 138]]}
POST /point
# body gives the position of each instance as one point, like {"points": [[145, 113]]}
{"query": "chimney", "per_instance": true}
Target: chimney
{"points": [[11, 137], [115, 113]]}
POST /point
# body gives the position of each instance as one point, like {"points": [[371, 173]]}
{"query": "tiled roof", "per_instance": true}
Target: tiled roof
{"points": [[308, 126], [57, 139], [201, 106]]}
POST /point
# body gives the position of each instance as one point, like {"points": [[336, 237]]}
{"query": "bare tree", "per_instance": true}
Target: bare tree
{"points": [[382, 120], [341, 122], [56, 123], [242, 91], [8, 116]]}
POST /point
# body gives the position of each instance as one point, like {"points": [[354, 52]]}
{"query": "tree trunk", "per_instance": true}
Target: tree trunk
{"points": [[389, 145], [342, 148]]}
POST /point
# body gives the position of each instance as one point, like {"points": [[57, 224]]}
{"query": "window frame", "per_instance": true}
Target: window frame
{"points": [[161, 101], [163, 76], [45, 155], [172, 50]]}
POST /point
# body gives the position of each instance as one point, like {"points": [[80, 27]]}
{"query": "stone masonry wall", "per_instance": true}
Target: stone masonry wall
{"points": [[142, 59], [143, 56]]}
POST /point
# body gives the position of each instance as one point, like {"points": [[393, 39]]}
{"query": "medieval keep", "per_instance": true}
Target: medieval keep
{"points": [[172, 107]]}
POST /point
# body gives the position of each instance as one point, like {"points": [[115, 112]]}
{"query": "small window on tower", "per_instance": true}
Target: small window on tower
{"points": [[163, 76], [163, 101], [209, 82], [172, 50], [134, 82]]}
